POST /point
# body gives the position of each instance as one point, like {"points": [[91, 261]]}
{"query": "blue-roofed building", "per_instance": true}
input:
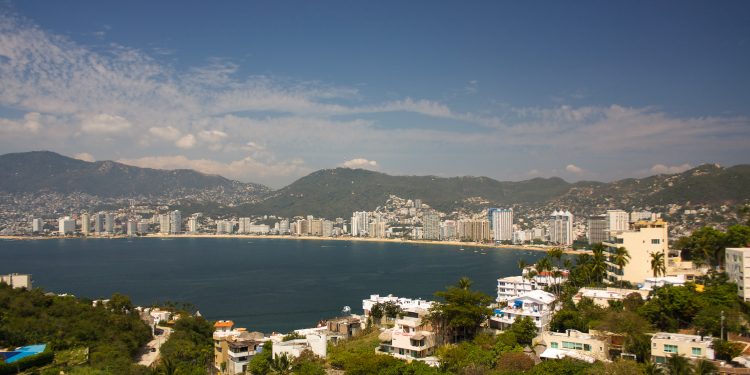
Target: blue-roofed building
{"points": [[22, 352]]}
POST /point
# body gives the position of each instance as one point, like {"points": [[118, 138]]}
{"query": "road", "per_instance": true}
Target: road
{"points": [[148, 357]]}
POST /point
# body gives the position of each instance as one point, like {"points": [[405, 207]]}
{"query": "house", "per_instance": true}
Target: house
{"points": [[589, 347], [16, 280], [403, 303], [234, 347], [412, 338], [652, 283], [345, 327], [317, 343], [537, 305], [513, 286], [664, 345], [602, 296]]}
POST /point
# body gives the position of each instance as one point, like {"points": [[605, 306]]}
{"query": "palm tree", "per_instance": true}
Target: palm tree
{"points": [[657, 264], [542, 266], [678, 365], [464, 283], [281, 365], [703, 367], [621, 259], [598, 263], [522, 264], [167, 367], [650, 368]]}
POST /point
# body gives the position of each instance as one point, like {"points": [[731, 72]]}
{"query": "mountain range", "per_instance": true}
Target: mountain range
{"points": [[337, 192]]}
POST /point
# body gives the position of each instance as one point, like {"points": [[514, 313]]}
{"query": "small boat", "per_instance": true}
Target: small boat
{"points": [[461, 249]]}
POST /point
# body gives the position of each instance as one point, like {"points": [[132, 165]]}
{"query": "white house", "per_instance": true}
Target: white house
{"points": [[411, 338], [537, 305], [664, 345], [315, 342], [602, 296]]}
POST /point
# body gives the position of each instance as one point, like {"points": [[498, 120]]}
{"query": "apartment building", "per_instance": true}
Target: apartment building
{"points": [[646, 238], [589, 347], [664, 345], [537, 305], [737, 265]]}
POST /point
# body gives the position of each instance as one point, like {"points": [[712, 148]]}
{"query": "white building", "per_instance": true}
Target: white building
{"points": [[224, 227], [37, 225], [513, 286], [404, 303], [602, 296], [193, 224], [175, 222], [561, 228], [85, 224], [99, 223], [652, 283], [431, 222], [664, 345], [411, 338], [132, 227], [738, 269], [315, 342], [502, 224], [617, 220], [537, 305], [360, 221], [109, 223], [66, 225]]}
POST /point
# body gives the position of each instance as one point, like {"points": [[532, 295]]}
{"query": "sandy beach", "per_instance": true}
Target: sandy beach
{"points": [[311, 238]]}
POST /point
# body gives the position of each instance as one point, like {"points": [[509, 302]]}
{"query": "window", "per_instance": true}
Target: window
{"points": [[587, 347], [572, 345], [670, 348], [655, 241], [696, 351], [553, 345]]}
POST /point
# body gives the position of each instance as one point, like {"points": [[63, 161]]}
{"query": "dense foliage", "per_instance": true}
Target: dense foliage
{"points": [[707, 245], [112, 332], [459, 311], [189, 349]]}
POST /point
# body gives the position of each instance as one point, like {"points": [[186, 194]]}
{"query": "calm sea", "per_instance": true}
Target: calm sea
{"points": [[262, 284]]}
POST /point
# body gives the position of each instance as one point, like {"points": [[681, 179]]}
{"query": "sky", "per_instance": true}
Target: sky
{"points": [[269, 91]]}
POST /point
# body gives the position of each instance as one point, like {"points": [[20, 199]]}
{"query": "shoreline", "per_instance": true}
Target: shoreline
{"points": [[307, 238]]}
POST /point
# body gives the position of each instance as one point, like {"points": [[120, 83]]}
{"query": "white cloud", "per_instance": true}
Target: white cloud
{"points": [[212, 136], [360, 163], [168, 133], [572, 168], [104, 123], [670, 169], [85, 156], [188, 141]]}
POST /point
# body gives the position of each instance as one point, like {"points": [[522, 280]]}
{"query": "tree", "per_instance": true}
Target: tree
{"points": [[460, 313], [524, 329], [650, 368], [657, 264], [391, 310], [621, 258], [725, 350], [598, 266], [514, 362], [703, 367], [678, 365], [281, 365], [464, 283], [377, 313]]}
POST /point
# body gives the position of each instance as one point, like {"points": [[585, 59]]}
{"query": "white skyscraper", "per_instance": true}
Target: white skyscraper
{"points": [[431, 223], [617, 220], [164, 224], [66, 225], [502, 224], [193, 224], [37, 225], [85, 224], [99, 223], [360, 223], [109, 223], [132, 227], [561, 228], [175, 222]]}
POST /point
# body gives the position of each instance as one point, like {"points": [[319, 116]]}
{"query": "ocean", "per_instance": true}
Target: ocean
{"points": [[267, 285]]}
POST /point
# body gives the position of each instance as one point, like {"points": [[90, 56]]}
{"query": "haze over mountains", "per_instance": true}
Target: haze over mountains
{"points": [[337, 192]]}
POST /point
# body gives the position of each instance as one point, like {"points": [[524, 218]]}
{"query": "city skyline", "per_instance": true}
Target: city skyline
{"points": [[268, 93]]}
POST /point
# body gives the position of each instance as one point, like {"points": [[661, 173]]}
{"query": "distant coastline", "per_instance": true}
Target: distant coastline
{"points": [[307, 238]]}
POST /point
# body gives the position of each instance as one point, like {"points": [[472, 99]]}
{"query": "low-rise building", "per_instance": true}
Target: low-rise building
{"points": [[537, 305], [317, 343], [652, 283], [589, 347], [412, 338], [513, 286], [738, 269], [16, 280], [602, 296], [234, 347], [664, 345], [403, 303]]}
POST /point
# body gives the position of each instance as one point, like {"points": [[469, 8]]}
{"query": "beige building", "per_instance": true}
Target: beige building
{"points": [[16, 280], [737, 265], [589, 347], [234, 347], [411, 338], [664, 345], [646, 238]]}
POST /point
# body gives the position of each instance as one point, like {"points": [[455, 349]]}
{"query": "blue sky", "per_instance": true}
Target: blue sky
{"points": [[270, 91]]}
